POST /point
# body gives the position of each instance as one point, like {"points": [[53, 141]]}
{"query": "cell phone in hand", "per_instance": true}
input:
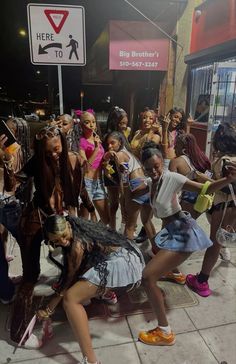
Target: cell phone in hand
{"points": [[5, 130]]}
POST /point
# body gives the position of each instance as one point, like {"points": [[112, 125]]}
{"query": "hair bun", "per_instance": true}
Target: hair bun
{"points": [[150, 145]]}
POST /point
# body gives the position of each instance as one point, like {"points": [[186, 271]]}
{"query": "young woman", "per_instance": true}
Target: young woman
{"points": [[112, 180], [194, 164], [150, 130], [71, 129], [179, 237], [100, 258], [118, 121], [173, 124], [91, 150], [190, 161], [133, 180], [58, 184], [147, 132], [223, 212], [13, 158]]}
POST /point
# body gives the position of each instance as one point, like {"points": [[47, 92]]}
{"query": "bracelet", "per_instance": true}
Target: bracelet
{"points": [[59, 294], [164, 143], [49, 311], [8, 163], [44, 314]]}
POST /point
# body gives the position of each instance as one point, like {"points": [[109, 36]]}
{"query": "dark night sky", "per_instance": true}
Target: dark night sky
{"points": [[18, 77]]}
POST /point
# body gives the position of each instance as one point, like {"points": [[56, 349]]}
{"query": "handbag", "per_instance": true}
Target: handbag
{"points": [[204, 201], [227, 235]]}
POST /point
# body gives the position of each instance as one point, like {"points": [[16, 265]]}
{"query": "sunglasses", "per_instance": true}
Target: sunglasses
{"points": [[48, 133]]}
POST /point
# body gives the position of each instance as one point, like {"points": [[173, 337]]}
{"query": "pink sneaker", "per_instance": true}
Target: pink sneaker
{"points": [[200, 288]]}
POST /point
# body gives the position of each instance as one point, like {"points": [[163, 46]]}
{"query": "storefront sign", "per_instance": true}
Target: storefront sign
{"points": [[137, 46]]}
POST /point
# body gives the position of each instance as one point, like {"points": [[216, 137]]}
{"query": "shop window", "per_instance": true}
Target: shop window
{"points": [[201, 83]]}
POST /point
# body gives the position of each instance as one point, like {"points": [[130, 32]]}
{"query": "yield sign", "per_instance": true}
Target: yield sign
{"points": [[56, 18]]}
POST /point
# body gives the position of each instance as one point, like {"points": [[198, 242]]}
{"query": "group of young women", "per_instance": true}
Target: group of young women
{"points": [[97, 259]]}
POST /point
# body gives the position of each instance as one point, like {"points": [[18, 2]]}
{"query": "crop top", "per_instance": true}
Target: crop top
{"points": [[217, 167], [191, 174], [138, 141], [88, 148], [165, 201], [133, 163]]}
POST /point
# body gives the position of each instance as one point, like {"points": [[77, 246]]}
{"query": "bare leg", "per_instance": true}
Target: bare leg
{"points": [[93, 216], [83, 212], [76, 314], [163, 261], [122, 208], [146, 218], [132, 209], [113, 197], [102, 209], [212, 253], [132, 217]]}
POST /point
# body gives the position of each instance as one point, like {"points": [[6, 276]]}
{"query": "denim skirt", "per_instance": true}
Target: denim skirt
{"points": [[183, 235], [124, 268], [142, 199]]}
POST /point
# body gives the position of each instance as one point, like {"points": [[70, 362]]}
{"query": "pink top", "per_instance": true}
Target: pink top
{"points": [[88, 149]]}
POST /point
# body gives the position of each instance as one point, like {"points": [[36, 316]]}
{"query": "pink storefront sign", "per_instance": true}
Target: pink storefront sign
{"points": [[137, 46]]}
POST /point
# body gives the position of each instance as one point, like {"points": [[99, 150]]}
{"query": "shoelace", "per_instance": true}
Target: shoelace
{"points": [[154, 331]]}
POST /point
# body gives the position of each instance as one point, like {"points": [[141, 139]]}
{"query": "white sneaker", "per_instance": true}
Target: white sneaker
{"points": [[225, 254], [85, 361], [33, 342]]}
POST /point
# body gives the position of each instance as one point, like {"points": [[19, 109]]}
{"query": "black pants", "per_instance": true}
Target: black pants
{"points": [[30, 238], [7, 288]]}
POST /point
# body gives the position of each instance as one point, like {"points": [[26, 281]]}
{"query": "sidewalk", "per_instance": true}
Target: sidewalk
{"points": [[206, 331]]}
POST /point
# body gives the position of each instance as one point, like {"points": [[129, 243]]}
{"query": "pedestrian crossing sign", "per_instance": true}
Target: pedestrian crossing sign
{"points": [[57, 34]]}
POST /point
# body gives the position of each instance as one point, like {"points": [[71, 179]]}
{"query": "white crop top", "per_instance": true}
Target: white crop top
{"points": [[133, 163], [165, 201]]}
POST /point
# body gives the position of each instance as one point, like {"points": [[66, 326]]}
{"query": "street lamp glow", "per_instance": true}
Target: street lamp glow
{"points": [[22, 33]]}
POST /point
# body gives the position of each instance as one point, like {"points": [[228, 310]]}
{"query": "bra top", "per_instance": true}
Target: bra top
{"points": [[191, 173], [133, 163]]}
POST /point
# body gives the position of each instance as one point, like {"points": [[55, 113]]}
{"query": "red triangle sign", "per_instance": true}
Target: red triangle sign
{"points": [[56, 18]]}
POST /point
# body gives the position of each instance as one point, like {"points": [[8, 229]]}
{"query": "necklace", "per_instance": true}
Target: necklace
{"points": [[156, 187]]}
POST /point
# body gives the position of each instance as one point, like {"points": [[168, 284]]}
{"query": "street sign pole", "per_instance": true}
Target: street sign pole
{"points": [[60, 89]]}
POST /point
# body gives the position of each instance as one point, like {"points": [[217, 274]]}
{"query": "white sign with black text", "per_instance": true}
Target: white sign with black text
{"points": [[57, 34]]}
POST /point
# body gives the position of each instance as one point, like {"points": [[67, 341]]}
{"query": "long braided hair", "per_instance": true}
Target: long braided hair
{"points": [[97, 240]]}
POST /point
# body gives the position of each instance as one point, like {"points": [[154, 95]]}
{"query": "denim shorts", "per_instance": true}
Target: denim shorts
{"points": [[10, 214], [95, 189], [143, 199]]}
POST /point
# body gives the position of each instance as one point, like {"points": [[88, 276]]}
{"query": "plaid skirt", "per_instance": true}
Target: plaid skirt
{"points": [[124, 268]]}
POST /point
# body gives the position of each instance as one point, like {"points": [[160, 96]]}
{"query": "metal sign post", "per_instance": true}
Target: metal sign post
{"points": [[60, 89]]}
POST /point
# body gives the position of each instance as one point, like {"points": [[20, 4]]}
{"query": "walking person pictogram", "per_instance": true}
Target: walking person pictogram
{"points": [[74, 45]]}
